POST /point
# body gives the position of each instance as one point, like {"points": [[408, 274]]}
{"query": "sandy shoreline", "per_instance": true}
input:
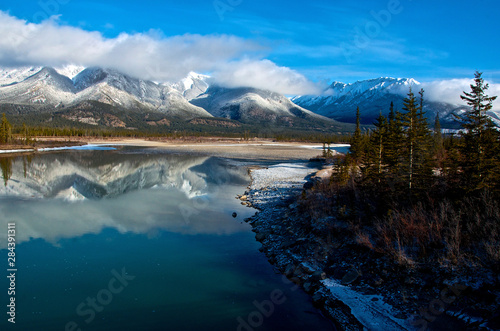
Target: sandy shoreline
{"points": [[257, 150]]}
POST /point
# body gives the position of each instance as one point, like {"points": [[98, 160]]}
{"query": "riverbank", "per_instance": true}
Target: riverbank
{"points": [[254, 149], [273, 192], [357, 287], [40, 145]]}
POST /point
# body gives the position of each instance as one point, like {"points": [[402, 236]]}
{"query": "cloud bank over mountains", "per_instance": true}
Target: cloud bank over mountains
{"points": [[450, 90], [230, 60]]}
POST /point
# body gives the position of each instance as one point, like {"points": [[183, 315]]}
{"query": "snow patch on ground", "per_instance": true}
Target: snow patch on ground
{"points": [[280, 175], [370, 310]]}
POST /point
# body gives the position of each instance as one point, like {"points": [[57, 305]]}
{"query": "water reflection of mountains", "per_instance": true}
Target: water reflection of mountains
{"points": [[130, 192], [96, 175]]}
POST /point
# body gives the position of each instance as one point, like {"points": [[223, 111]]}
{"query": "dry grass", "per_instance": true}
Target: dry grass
{"points": [[462, 231]]}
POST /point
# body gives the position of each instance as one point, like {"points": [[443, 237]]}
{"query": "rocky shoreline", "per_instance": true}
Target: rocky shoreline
{"points": [[356, 288]]}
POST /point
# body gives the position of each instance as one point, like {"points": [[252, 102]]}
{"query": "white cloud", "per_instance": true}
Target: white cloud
{"points": [[450, 90], [266, 75], [145, 55]]}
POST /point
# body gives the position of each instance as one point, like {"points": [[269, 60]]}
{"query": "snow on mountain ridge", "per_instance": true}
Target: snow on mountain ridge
{"points": [[9, 76], [250, 105], [373, 97], [69, 70], [376, 84], [192, 86], [48, 86]]}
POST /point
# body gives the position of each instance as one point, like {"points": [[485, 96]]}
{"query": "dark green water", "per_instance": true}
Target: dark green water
{"points": [[139, 240]]}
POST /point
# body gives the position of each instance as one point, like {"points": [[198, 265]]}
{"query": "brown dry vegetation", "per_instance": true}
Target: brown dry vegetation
{"points": [[435, 229]]}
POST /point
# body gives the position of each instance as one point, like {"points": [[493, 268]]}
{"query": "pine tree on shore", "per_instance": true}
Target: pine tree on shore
{"points": [[394, 140], [377, 146], [438, 135], [417, 136], [479, 137], [5, 130], [438, 145], [357, 140]]}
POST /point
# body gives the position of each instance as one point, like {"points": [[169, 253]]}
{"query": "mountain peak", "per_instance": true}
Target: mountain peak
{"points": [[192, 86], [69, 70]]}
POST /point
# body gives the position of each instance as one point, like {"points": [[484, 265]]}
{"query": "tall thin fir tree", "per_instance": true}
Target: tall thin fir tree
{"points": [[438, 145], [417, 137], [5, 130], [377, 148], [478, 136], [357, 140], [394, 140], [438, 135]]}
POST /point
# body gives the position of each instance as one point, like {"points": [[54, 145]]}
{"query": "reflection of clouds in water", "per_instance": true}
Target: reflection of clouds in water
{"points": [[140, 209]]}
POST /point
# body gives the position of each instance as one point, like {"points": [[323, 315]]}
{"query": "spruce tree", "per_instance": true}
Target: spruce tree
{"points": [[416, 140], [479, 137], [438, 135], [438, 144], [5, 130], [357, 140], [377, 145], [394, 139]]}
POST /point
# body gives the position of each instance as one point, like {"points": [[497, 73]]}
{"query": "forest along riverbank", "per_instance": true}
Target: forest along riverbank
{"points": [[301, 257]]}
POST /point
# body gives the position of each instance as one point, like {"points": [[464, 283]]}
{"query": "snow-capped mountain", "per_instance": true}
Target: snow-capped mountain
{"points": [[43, 87], [48, 87], [75, 93], [11, 76], [69, 70], [373, 97], [250, 104], [192, 86]]}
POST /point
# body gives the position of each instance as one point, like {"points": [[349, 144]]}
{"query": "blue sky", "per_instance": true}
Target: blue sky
{"points": [[321, 40]]}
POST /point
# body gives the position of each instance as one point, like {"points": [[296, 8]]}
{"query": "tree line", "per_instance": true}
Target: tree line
{"points": [[404, 153], [411, 192]]}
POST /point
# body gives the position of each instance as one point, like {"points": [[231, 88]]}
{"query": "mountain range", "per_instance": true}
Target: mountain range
{"points": [[105, 97], [374, 96]]}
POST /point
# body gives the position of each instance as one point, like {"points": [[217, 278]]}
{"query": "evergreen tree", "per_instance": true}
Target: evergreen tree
{"points": [[357, 140], [5, 130], [438, 144], [26, 133], [377, 145], [394, 140], [416, 140], [479, 136], [438, 135]]}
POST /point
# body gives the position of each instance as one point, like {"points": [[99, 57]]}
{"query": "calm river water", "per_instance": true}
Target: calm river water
{"points": [[138, 239]]}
